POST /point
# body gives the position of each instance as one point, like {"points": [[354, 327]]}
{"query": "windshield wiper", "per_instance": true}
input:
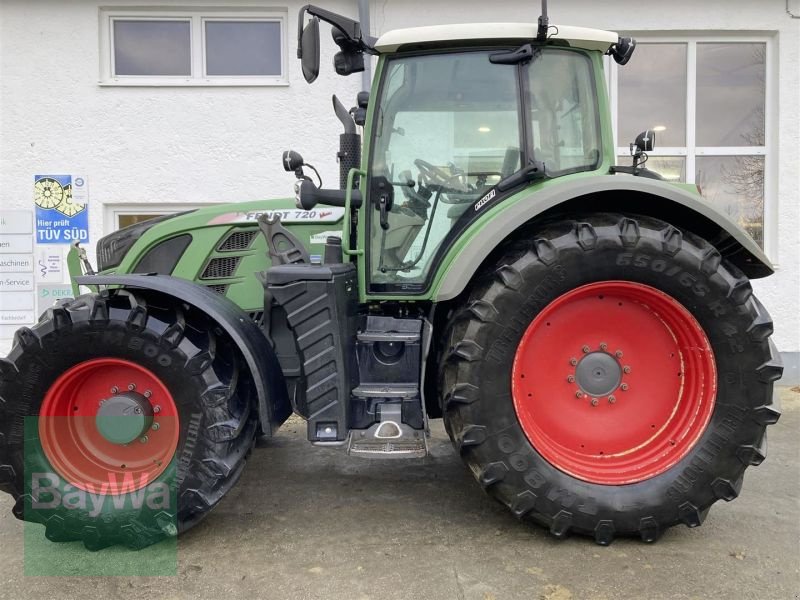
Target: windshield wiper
{"points": [[525, 52], [532, 172]]}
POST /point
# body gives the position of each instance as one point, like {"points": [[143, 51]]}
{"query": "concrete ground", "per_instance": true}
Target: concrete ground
{"points": [[311, 523]]}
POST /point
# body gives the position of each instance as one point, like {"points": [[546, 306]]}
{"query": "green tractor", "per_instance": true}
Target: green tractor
{"points": [[586, 331]]}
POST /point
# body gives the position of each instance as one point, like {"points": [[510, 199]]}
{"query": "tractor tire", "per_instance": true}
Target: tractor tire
{"points": [[189, 420], [609, 375]]}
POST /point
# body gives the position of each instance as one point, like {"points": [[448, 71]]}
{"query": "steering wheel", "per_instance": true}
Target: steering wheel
{"points": [[433, 174]]}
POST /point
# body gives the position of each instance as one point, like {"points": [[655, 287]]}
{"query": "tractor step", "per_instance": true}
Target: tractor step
{"points": [[377, 390], [388, 438], [389, 359]]}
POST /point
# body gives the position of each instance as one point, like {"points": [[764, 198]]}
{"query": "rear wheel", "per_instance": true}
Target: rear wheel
{"points": [[125, 419], [612, 376]]}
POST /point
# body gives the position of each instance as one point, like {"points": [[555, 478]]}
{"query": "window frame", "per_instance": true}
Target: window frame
{"points": [[692, 151], [112, 211], [197, 51]]}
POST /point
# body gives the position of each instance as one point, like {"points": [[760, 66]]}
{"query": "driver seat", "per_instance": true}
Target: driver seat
{"points": [[511, 161]]}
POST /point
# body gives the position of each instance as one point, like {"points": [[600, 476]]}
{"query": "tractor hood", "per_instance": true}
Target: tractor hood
{"points": [[122, 250], [218, 246]]}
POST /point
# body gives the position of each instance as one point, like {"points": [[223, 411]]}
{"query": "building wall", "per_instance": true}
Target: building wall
{"points": [[199, 144]]}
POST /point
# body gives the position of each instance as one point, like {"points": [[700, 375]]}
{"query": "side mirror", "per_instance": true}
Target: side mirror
{"points": [[308, 51], [623, 50]]}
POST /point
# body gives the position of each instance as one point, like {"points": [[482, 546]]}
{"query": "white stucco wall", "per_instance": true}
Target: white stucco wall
{"points": [[190, 144]]}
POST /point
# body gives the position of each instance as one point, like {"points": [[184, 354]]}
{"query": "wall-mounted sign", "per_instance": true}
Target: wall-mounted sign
{"points": [[62, 209], [49, 294], [16, 282], [16, 263], [16, 243], [16, 227], [16, 317], [17, 300], [49, 264], [15, 222]]}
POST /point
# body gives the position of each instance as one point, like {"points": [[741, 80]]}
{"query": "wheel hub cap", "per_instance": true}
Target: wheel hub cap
{"points": [[598, 374], [122, 419]]}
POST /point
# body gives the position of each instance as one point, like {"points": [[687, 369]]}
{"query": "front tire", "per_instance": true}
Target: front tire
{"points": [[538, 388], [70, 389]]}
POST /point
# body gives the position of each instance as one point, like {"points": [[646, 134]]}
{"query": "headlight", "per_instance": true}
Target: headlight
{"points": [[113, 248]]}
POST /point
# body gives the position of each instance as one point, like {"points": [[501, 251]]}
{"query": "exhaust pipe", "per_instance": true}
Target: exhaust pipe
{"points": [[349, 154]]}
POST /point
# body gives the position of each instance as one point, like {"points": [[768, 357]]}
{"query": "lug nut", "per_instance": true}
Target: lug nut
{"points": [[618, 353], [102, 401], [595, 401], [131, 387], [579, 394], [143, 439], [148, 393], [114, 390], [585, 349], [626, 369], [603, 346], [571, 378], [157, 409], [624, 387], [137, 410], [156, 427], [573, 361], [612, 399]]}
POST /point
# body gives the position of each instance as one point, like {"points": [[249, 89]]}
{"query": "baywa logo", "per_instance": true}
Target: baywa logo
{"points": [[47, 492]]}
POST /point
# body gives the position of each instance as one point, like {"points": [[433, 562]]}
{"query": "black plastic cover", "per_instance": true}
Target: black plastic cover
{"points": [[321, 304], [163, 257]]}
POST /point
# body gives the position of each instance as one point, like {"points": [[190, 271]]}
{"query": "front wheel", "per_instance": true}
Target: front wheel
{"points": [[124, 418], [611, 376]]}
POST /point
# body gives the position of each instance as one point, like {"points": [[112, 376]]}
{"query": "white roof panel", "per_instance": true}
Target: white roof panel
{"points": [[580, 37]]}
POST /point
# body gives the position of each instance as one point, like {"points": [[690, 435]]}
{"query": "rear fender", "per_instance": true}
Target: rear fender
{"points": [[273, 400], [618, 193]]}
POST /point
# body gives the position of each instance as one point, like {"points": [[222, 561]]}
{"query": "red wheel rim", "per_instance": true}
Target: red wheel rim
{"points": [[614, 382], [71, 436]]}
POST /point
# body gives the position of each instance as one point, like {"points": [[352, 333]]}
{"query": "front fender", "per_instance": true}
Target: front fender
{"points": [[273, 400], [611, 193]]}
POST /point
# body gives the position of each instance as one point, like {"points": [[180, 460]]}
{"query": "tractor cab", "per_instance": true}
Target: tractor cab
{"points": [[455, 131], [460, 117]]}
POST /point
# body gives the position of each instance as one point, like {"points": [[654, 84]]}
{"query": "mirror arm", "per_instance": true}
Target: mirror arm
{"points": [[350, 28]]}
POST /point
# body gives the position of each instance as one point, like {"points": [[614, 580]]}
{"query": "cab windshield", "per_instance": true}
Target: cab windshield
{"points": [[450, 126]]}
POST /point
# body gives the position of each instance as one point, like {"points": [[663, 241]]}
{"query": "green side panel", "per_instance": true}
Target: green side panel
{"points": [[502, 220]]}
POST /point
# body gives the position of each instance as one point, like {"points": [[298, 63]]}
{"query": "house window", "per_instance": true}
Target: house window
{"points": [[708, 101], [188, 47], [117, 216]]}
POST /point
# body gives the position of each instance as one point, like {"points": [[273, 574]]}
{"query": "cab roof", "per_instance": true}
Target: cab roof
{"points": [[578, 37]]}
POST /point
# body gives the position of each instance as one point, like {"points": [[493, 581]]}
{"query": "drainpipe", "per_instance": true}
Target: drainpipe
{"points": [[363, 18]]}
